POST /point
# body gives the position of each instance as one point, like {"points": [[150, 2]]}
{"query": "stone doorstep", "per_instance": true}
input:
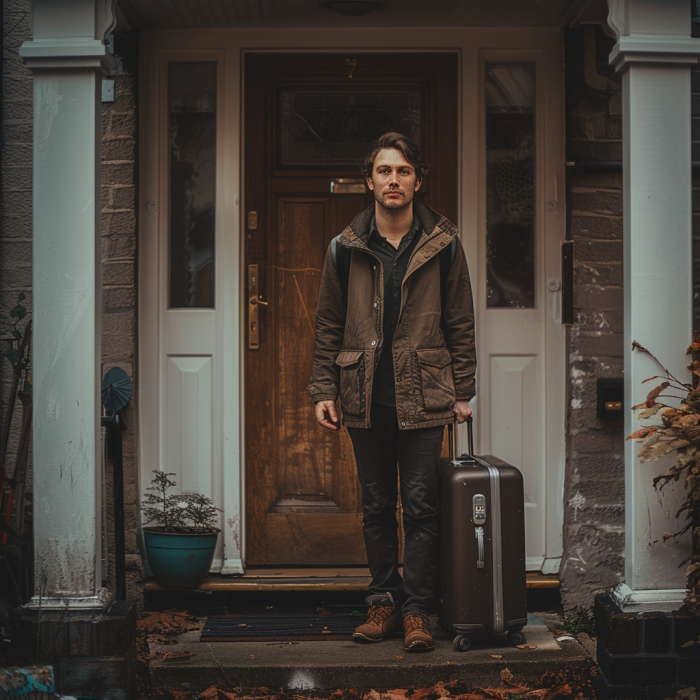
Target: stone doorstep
{"points": [[332, 665]]}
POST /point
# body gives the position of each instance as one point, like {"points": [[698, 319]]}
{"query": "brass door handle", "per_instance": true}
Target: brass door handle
{"points": [[254, 301]]}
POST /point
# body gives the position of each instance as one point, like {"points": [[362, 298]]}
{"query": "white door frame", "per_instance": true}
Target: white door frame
{"points": [[231, 335]]}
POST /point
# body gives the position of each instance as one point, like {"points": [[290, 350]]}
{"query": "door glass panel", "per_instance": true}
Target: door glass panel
{"points": [[192, 109], [510, 185], [328, 129]]}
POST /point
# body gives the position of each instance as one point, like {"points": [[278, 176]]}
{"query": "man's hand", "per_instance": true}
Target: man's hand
{"points": [[462, 410], [326, 415]]}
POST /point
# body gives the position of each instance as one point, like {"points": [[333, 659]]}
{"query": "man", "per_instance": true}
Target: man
{"points": [[395, 336]]}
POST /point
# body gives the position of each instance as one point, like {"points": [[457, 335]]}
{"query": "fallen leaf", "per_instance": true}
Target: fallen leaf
{"points": [[211, 692], [526, 646], [396, 656], [178, 655], [496, 656], [176, 621], [179, 694], [252, 656], [506, 675], [160, 639], [557, 690]]}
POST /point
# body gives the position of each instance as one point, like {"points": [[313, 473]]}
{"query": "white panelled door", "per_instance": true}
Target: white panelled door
{"points": [[520, 336]]}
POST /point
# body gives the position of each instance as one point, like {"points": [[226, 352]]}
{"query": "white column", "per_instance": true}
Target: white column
{"points": [[68, 57], [654, 54]]}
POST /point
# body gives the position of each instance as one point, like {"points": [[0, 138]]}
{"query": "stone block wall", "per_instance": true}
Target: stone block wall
{"points": [[16, 204], [594, 486], [119, 197]]}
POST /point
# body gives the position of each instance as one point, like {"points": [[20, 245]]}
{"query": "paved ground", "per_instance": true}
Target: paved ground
{"points": [[340, 664]]}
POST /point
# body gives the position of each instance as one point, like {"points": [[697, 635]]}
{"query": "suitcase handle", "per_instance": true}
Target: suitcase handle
{"points": [[452, 437]]}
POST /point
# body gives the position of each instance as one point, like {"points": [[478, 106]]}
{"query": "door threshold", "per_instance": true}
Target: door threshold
{"points": [[310, 579]]}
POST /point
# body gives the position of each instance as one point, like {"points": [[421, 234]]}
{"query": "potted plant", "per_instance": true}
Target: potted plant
{"points": [[180, 548]]}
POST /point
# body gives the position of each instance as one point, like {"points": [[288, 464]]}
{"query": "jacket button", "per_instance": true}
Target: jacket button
{"points": [[442, 243], [374, 267], [374, 342], [376, 304], [403, 423], [399, 379]]}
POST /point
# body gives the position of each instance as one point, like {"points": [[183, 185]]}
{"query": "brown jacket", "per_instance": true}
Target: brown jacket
{"points": [[433, 348]]}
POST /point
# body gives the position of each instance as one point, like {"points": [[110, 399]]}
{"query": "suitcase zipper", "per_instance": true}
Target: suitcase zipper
{"points": [[497, 549]]}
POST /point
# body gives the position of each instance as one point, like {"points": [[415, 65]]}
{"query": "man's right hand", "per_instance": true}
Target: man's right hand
{"points": [[326, 415]]}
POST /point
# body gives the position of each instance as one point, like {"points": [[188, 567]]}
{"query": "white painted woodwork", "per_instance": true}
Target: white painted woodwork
{"points": [[654, 56], [189, 424], [163, 335], [520, 351], [67, 57], [188, 448]]}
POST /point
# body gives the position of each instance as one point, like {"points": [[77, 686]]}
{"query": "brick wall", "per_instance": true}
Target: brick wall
{"points": [[594, 484], [118, 235]]}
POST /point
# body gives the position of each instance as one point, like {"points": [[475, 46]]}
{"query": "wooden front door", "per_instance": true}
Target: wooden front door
{"points": [[309, 122]]}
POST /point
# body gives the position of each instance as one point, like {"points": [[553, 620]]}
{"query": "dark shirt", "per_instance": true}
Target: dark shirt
{"points": [[394, 263]]}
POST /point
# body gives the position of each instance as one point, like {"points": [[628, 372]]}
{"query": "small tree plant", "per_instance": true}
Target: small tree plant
{"points": [[178, 513], [678, 432]]}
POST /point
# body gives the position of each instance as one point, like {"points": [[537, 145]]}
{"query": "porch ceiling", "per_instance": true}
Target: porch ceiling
{"points": [[183, 14]]}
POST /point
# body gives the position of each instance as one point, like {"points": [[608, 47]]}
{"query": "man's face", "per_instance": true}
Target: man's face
{"points": [[393, 180]]}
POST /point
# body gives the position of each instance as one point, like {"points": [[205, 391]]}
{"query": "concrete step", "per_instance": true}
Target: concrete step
{"points": [[339, 664]]}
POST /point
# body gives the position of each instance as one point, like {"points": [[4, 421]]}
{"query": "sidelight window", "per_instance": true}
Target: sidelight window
{"points": [[510, 184], [192, 112]]}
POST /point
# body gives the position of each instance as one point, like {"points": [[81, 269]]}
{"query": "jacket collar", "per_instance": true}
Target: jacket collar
{"points": [[432, 224]]}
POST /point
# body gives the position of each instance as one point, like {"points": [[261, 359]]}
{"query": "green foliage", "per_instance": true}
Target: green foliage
{"points": [[183, 513]]}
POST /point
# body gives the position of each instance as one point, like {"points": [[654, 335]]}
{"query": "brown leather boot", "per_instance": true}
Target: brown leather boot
{"points": [[416, 629], [382, 621]]}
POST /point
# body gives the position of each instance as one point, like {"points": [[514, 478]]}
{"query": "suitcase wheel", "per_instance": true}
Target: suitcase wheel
{"points": [[461, 642], [516, 637]]}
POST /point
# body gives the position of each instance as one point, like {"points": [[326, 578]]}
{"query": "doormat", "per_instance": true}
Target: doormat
{"points": [[285, 627]]}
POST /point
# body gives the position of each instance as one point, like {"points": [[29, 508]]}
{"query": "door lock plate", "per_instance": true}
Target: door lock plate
{"points": [[253, 308]]}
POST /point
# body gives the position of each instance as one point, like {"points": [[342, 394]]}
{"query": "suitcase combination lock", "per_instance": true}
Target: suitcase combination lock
{"points": [[479, 517]]}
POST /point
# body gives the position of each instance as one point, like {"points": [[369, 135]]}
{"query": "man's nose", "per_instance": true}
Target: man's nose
{"points": [[394, 178]]}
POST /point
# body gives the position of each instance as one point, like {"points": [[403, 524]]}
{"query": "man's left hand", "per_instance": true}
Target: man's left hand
{"points": [[462, 410]]}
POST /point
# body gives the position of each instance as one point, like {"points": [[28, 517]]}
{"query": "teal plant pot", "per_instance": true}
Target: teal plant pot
{"points": [[179, 561]]}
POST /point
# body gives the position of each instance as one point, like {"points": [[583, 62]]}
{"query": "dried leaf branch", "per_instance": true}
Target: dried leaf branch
{"points": [[678, 432]]}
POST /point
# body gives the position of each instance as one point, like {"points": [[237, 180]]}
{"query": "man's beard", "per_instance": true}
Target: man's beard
{"points": [[392, 210]]}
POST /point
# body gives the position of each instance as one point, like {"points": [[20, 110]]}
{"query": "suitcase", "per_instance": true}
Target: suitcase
{"points": [[482, 562]]}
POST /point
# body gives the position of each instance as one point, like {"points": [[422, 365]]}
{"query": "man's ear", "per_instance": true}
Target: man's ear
{"points": [[418, 184], [369, 182]]}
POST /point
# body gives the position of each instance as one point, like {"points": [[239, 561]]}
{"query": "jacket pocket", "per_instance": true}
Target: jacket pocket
{"points": [[437, 382], [352, 381]]}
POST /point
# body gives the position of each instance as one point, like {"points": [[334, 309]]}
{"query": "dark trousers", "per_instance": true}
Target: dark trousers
{"points": [[377, 451]]}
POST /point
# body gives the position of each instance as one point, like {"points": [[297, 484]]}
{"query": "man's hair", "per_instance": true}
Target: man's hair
{"points": [[409, 149]]}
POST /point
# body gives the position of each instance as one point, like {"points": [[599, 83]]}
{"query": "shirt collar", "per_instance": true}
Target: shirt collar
{"points": [[414, 228]]}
